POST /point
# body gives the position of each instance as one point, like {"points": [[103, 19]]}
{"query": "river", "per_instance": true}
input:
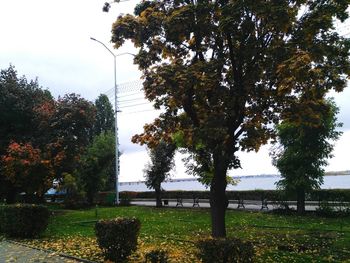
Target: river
{"points": [[263, 182]]}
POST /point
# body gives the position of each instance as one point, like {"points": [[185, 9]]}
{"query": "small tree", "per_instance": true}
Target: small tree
{"points": [[305, 146], [162, 161], [104, 115], [96, 163]]}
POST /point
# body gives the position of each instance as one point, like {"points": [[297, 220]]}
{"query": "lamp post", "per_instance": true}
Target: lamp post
{"points": [[116, 121]]}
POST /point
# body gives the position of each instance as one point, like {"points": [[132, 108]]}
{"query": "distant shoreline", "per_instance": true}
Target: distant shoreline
{"points": [[331, 173]]}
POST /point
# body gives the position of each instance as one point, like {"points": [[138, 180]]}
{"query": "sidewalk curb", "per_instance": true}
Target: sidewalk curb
{"points": [[50, 251]]}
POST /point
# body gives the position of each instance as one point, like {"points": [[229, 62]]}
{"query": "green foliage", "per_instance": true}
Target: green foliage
{"points": [[1, 218], [23, 221], [104, 115], [162, 161], [97, 165], [117, 238], [20, 123], [74, 198], [330, 209], [157, 256], [305, 139], [225, 251], [125, 199], [105, 198], [270, 195], [19, 99]]}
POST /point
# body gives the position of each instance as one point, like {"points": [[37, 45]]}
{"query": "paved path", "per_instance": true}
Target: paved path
{"points": [[10, 252], [248, 206]]}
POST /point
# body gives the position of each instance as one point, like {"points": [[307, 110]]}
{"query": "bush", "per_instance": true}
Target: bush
{"points": [[1, 217], [225, 251], [327, 209], [24, 221], [118, 237], [105, 198], [270, 195], [157, 256], [75, 200]]}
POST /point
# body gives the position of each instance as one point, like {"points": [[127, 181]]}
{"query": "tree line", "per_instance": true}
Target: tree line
{"points": [[41, 139]]}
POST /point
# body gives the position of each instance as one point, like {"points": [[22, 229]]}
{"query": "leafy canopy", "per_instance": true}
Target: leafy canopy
{"points": [[305, 144], [224, 70]]}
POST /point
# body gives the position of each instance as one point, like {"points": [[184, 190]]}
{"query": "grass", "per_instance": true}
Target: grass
{"points": [[276, 238]]}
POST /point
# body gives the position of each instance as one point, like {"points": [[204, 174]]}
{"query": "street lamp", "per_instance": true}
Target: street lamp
{"points": [[115, 117]]}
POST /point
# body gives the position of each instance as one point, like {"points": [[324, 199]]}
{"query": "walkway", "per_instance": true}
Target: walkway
{"points": [[10, 252], [248, 205]]}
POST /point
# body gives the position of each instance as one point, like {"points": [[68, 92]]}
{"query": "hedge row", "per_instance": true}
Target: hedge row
{"points": [[107, 198], [23, 220]]}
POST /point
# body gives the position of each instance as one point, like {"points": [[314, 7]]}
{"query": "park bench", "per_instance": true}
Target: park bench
{"points": [[195, 202], [240, 203], [264, 204], [179, 202]]}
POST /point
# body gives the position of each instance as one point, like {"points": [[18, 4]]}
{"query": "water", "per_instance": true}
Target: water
{"points": [[263, 182]]}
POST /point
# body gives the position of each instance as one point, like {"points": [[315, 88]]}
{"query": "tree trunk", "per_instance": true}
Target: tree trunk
{"points": [[218, 201], [158, 193], [301, 201]]}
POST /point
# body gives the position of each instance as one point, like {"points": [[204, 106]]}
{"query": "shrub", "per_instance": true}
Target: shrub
{"points": [[1, 217], [75, 200], [157, 256], [118, 237], [327, 209], [105, 198], [225, 251], [125, 200], [24, 221], [270, 195]]}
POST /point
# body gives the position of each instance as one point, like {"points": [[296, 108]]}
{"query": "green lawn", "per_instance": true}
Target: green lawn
{"points": [[276, 238]]}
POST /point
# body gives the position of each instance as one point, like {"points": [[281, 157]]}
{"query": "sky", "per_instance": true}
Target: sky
{"points": [[50, 40]]}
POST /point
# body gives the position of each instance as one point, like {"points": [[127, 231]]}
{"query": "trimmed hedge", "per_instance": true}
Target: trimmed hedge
{"points": [[23, 220], [271, 195], [225, 251], [1, 217], [117, 238]]}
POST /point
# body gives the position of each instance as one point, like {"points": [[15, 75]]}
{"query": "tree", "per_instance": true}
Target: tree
{"points": [[162, 161], [223, 71], [18, 100], [24, 167], [19, 125], [304, 139], [104, 115], [95, 172], [71, 128]]}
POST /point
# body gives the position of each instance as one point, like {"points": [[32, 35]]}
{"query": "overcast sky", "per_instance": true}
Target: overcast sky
{"points": [[51, 40]]}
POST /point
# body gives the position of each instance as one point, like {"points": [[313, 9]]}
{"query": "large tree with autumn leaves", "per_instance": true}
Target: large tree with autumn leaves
{"points": [[40, 138], [224, 70]]}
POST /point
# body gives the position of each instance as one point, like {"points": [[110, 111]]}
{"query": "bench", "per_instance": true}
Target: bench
{"points": [[240, 203], [179, 202], [195, 202], [264, 204]]}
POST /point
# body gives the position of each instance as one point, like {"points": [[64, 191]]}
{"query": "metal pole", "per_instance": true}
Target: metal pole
{"points": [[116, 133], [115, 120]]}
